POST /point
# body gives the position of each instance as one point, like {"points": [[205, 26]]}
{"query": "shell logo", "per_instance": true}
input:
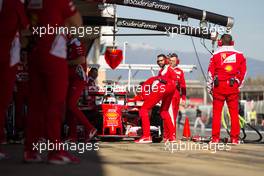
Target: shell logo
{"points": [[228, 68], [112, 115]]}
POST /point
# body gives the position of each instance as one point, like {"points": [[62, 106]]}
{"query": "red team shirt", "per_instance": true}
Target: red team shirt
{"points": [[11, 23], [167, 74], [226, 63], [181, 85], [46, 12], [76, 50]]}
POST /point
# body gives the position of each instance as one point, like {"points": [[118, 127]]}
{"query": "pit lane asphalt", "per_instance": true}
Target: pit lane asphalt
{"points": [[130, 159]]}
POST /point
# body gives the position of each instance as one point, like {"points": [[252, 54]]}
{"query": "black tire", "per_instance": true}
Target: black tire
{"points": [[157, 121], [157, 139], [110, 139]]}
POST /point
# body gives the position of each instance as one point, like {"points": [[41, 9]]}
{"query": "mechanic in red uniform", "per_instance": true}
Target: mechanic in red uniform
{"points": [[180, 93], [48, 70], [92, 76], [13, 19], [163, 88], [77, 82], [226, 74], [92, 109], [140, 94], [143, 91], [22, 92]]}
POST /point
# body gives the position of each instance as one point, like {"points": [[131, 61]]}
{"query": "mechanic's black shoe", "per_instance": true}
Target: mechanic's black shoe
{"points": [[18, 138], [144, 140]]}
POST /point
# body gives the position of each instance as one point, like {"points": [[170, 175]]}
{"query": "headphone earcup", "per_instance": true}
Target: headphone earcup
{"points": [[178, 61], [219, 43], [167, 61]]}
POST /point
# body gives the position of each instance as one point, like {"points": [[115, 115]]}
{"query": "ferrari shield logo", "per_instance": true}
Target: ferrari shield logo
{"points": [[223, 56]]}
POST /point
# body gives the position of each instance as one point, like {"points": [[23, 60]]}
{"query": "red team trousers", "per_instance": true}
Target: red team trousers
{"points": [[74, 114], [21, 99], [7, 79], [175, 103], [232, 98], [48, 90], [154, 98], [227, 64]]}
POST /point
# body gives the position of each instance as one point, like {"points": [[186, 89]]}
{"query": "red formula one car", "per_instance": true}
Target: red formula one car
{"points": [[115, 118]]}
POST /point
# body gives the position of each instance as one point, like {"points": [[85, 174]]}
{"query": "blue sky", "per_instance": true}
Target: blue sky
{"points": [[247, 32]]}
